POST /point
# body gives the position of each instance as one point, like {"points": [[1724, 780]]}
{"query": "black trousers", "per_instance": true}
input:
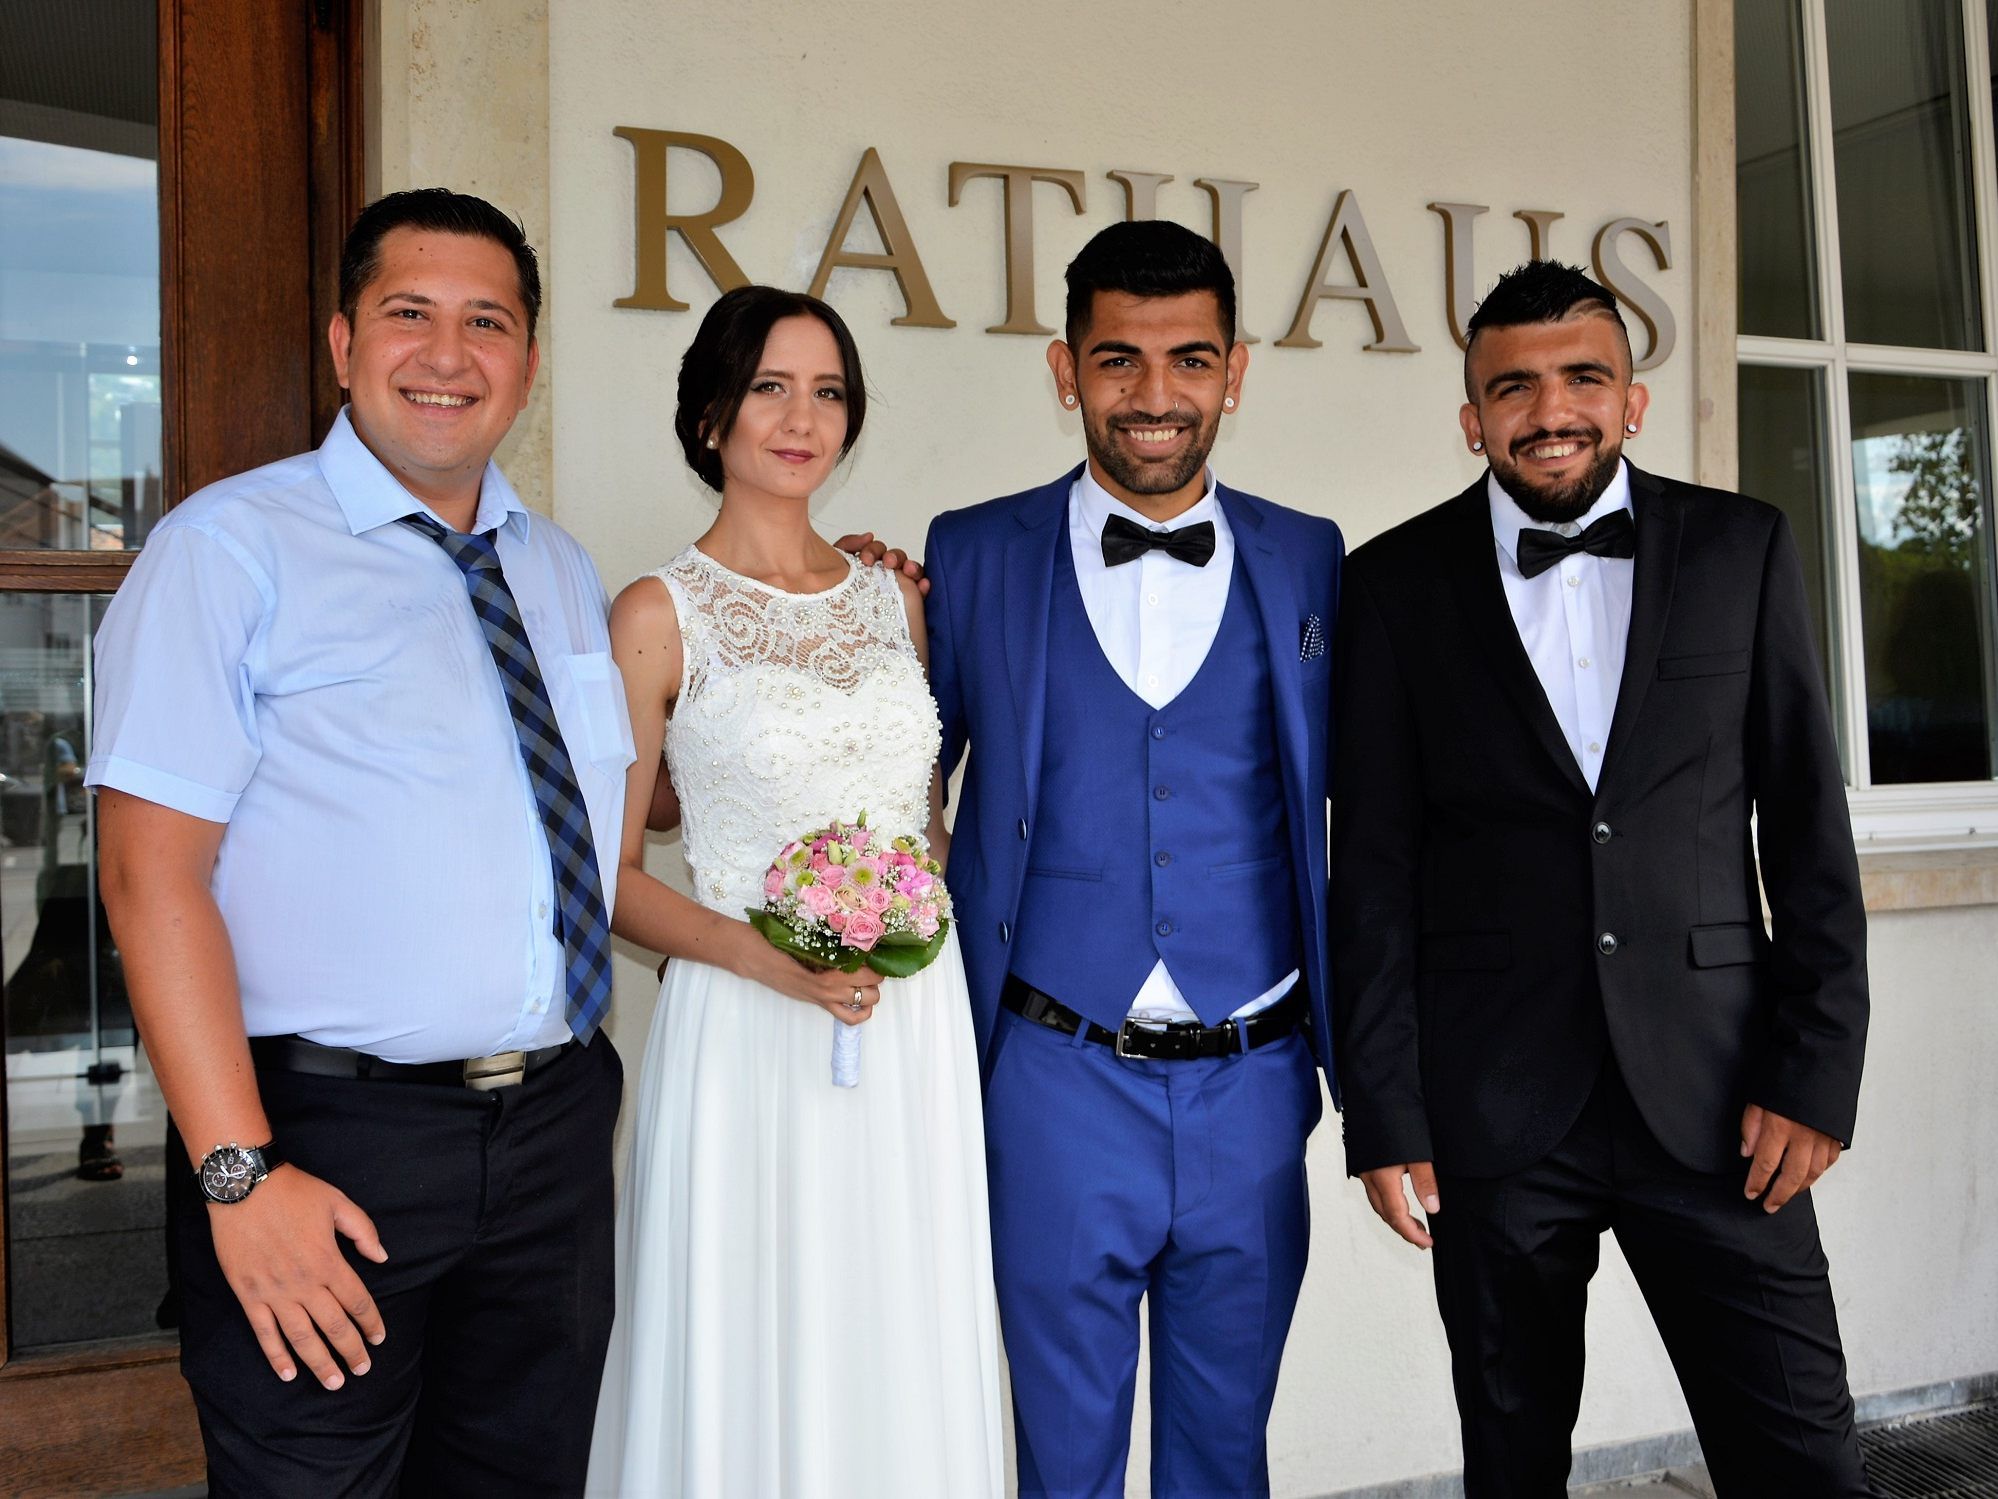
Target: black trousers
{"points": [[1741, 1297], [495, 1210]]}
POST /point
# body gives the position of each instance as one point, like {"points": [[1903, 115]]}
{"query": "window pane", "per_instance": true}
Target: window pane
{"points": [[1901, 143], [1777, 260], [1921, 465], [85, 1125], [1783, 447], [79, 275]]}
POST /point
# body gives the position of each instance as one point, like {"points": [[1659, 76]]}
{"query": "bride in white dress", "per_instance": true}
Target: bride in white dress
{"points": [[804, 1287]]}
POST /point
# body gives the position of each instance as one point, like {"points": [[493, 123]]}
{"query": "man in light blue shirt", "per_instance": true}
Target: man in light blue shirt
{"points": [[358, 742]]}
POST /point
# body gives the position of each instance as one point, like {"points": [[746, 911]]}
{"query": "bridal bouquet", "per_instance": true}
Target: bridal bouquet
{"points": [[844, 895]]}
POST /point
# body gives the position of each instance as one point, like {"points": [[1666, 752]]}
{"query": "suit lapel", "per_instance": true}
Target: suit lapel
{"points": [[1660, 521], [1270, 581], [1473, 560], [1021, 618]]}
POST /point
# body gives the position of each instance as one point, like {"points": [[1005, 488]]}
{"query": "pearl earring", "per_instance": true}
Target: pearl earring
{"points": [[711, 442], [1478, 447]]}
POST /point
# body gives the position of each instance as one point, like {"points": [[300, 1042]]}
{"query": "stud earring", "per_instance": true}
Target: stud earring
{"points": [[1478, 446], [1228, 402], [1068, 400], [1631, 428], [711, 442]]}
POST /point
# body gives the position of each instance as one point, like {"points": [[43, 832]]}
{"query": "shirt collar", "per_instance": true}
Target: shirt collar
{"points": [[1508, 520], [1094, 505], [370, 496]]}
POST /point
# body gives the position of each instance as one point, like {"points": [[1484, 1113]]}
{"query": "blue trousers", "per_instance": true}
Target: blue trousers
{"points": [[1117, 1179]]}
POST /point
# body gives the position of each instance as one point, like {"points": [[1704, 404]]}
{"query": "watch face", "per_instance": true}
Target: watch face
{"points": [[229, 1171]]}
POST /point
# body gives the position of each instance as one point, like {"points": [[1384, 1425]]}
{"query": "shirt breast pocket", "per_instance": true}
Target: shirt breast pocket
{"points": [[595, 723]]}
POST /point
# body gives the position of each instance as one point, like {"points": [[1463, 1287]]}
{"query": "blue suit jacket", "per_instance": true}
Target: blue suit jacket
{"points": [[991, 570]]}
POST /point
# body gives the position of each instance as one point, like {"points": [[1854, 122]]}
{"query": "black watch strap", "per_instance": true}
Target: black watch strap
{"points": [[273, 1157]]}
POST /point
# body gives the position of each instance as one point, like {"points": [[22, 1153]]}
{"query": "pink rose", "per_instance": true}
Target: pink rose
{"points": [[863, 930], [818, 900], [832, 876], [849, 898], [837, 920], [925, 922], [773, 883], [876, 899]]}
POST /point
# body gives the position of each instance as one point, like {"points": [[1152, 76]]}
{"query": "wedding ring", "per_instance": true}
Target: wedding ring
{"points": [[854, 1003]]}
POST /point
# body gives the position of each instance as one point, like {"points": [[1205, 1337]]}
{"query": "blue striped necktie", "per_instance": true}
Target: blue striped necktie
{"points": [[582, 922]]}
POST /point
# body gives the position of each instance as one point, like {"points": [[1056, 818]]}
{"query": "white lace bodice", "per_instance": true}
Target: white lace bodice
{"points": [[794, 710]]}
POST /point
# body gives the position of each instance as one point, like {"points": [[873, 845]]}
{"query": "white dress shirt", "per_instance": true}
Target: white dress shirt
{"points": [[1156, 619], [1573, 619], [287, 660]]}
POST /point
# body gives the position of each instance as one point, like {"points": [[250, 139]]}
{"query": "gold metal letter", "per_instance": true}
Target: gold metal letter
{"points": [[1141, 193], [1019, 199], [1537, 221], [653, 223], [870, 186], [1639, 298], [1459, 264], [1348, 230], [1227, 236]]}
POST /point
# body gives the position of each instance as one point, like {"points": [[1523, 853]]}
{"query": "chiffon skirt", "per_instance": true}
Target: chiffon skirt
{"points": [[804, 1278]]}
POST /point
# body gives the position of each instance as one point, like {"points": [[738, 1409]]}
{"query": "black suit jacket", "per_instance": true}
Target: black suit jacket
{"points": [[1478, 887]]}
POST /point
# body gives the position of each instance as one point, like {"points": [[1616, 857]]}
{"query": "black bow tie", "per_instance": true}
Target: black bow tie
{"points": [[1612, 536], [1124, 540]]}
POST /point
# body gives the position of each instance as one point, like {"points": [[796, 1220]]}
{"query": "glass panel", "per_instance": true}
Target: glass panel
{"points": [[1922, 468], [1783, 447], [80, 423], [85, 1124], [1777, 257], [1901, 144]]}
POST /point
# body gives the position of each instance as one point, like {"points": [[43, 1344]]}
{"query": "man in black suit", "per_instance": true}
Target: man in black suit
{"points": [[1563, 696]]}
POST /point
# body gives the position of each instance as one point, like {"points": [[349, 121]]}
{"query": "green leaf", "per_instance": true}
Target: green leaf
{"points": [[904, 954]]}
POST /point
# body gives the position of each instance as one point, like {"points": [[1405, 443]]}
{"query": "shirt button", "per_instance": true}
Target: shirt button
{"points": [[1162, 858], [1583, 662], [1023, 827], [542, 910], [1606, 943], [1595, 748], [1573, 581], [1160, 793], [1164, 928], [1152, 599], [1158, 731], [1151, 681], [1601, 832]]}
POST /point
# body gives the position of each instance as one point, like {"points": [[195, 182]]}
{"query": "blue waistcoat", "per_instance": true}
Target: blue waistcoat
{"points": [[1161, 831]]}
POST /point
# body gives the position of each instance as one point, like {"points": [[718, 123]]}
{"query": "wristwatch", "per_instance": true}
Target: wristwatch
{"points": [[228, 1172]]}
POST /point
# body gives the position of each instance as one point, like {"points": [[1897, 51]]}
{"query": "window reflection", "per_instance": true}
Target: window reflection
{"points": [[1901, 143], [1921, 467], [1776, 256], [80, 424]]}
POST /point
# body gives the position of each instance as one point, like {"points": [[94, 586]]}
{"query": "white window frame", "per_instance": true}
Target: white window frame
{"points": [[1946, 814]]}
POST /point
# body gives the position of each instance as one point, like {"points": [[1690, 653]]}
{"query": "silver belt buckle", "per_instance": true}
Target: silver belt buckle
{"points": [[500, 1070], [1129, 1028]]}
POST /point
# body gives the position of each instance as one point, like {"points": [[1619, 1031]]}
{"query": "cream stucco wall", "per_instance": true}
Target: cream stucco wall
{"points": [[1588, 111]]}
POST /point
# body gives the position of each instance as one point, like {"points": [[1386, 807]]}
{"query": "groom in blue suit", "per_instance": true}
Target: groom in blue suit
{"points": [[1138, 658]]}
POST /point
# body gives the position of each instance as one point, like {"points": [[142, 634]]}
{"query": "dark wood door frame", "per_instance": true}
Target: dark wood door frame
{"points": [[261, 162]]}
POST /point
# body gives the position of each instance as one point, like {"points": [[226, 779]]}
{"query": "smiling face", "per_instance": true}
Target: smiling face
{"points": [[1152, 376], [1550, 402], [787, 434], [437, 362]]}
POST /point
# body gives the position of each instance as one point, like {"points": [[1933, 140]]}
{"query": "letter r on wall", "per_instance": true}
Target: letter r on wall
{"points": [[652, 224]]}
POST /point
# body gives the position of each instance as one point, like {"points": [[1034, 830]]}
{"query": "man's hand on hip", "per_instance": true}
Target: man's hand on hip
{"points": [[1385, 1196], [280, 1251], [1793, 1154]]}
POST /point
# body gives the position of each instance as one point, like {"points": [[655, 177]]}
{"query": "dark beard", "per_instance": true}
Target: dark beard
{"points": [[1557, 504], [1150, 478]]}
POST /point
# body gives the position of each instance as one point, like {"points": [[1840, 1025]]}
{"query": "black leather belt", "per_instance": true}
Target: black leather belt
{"points": [[296, 1054], [1158, 1041]]}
